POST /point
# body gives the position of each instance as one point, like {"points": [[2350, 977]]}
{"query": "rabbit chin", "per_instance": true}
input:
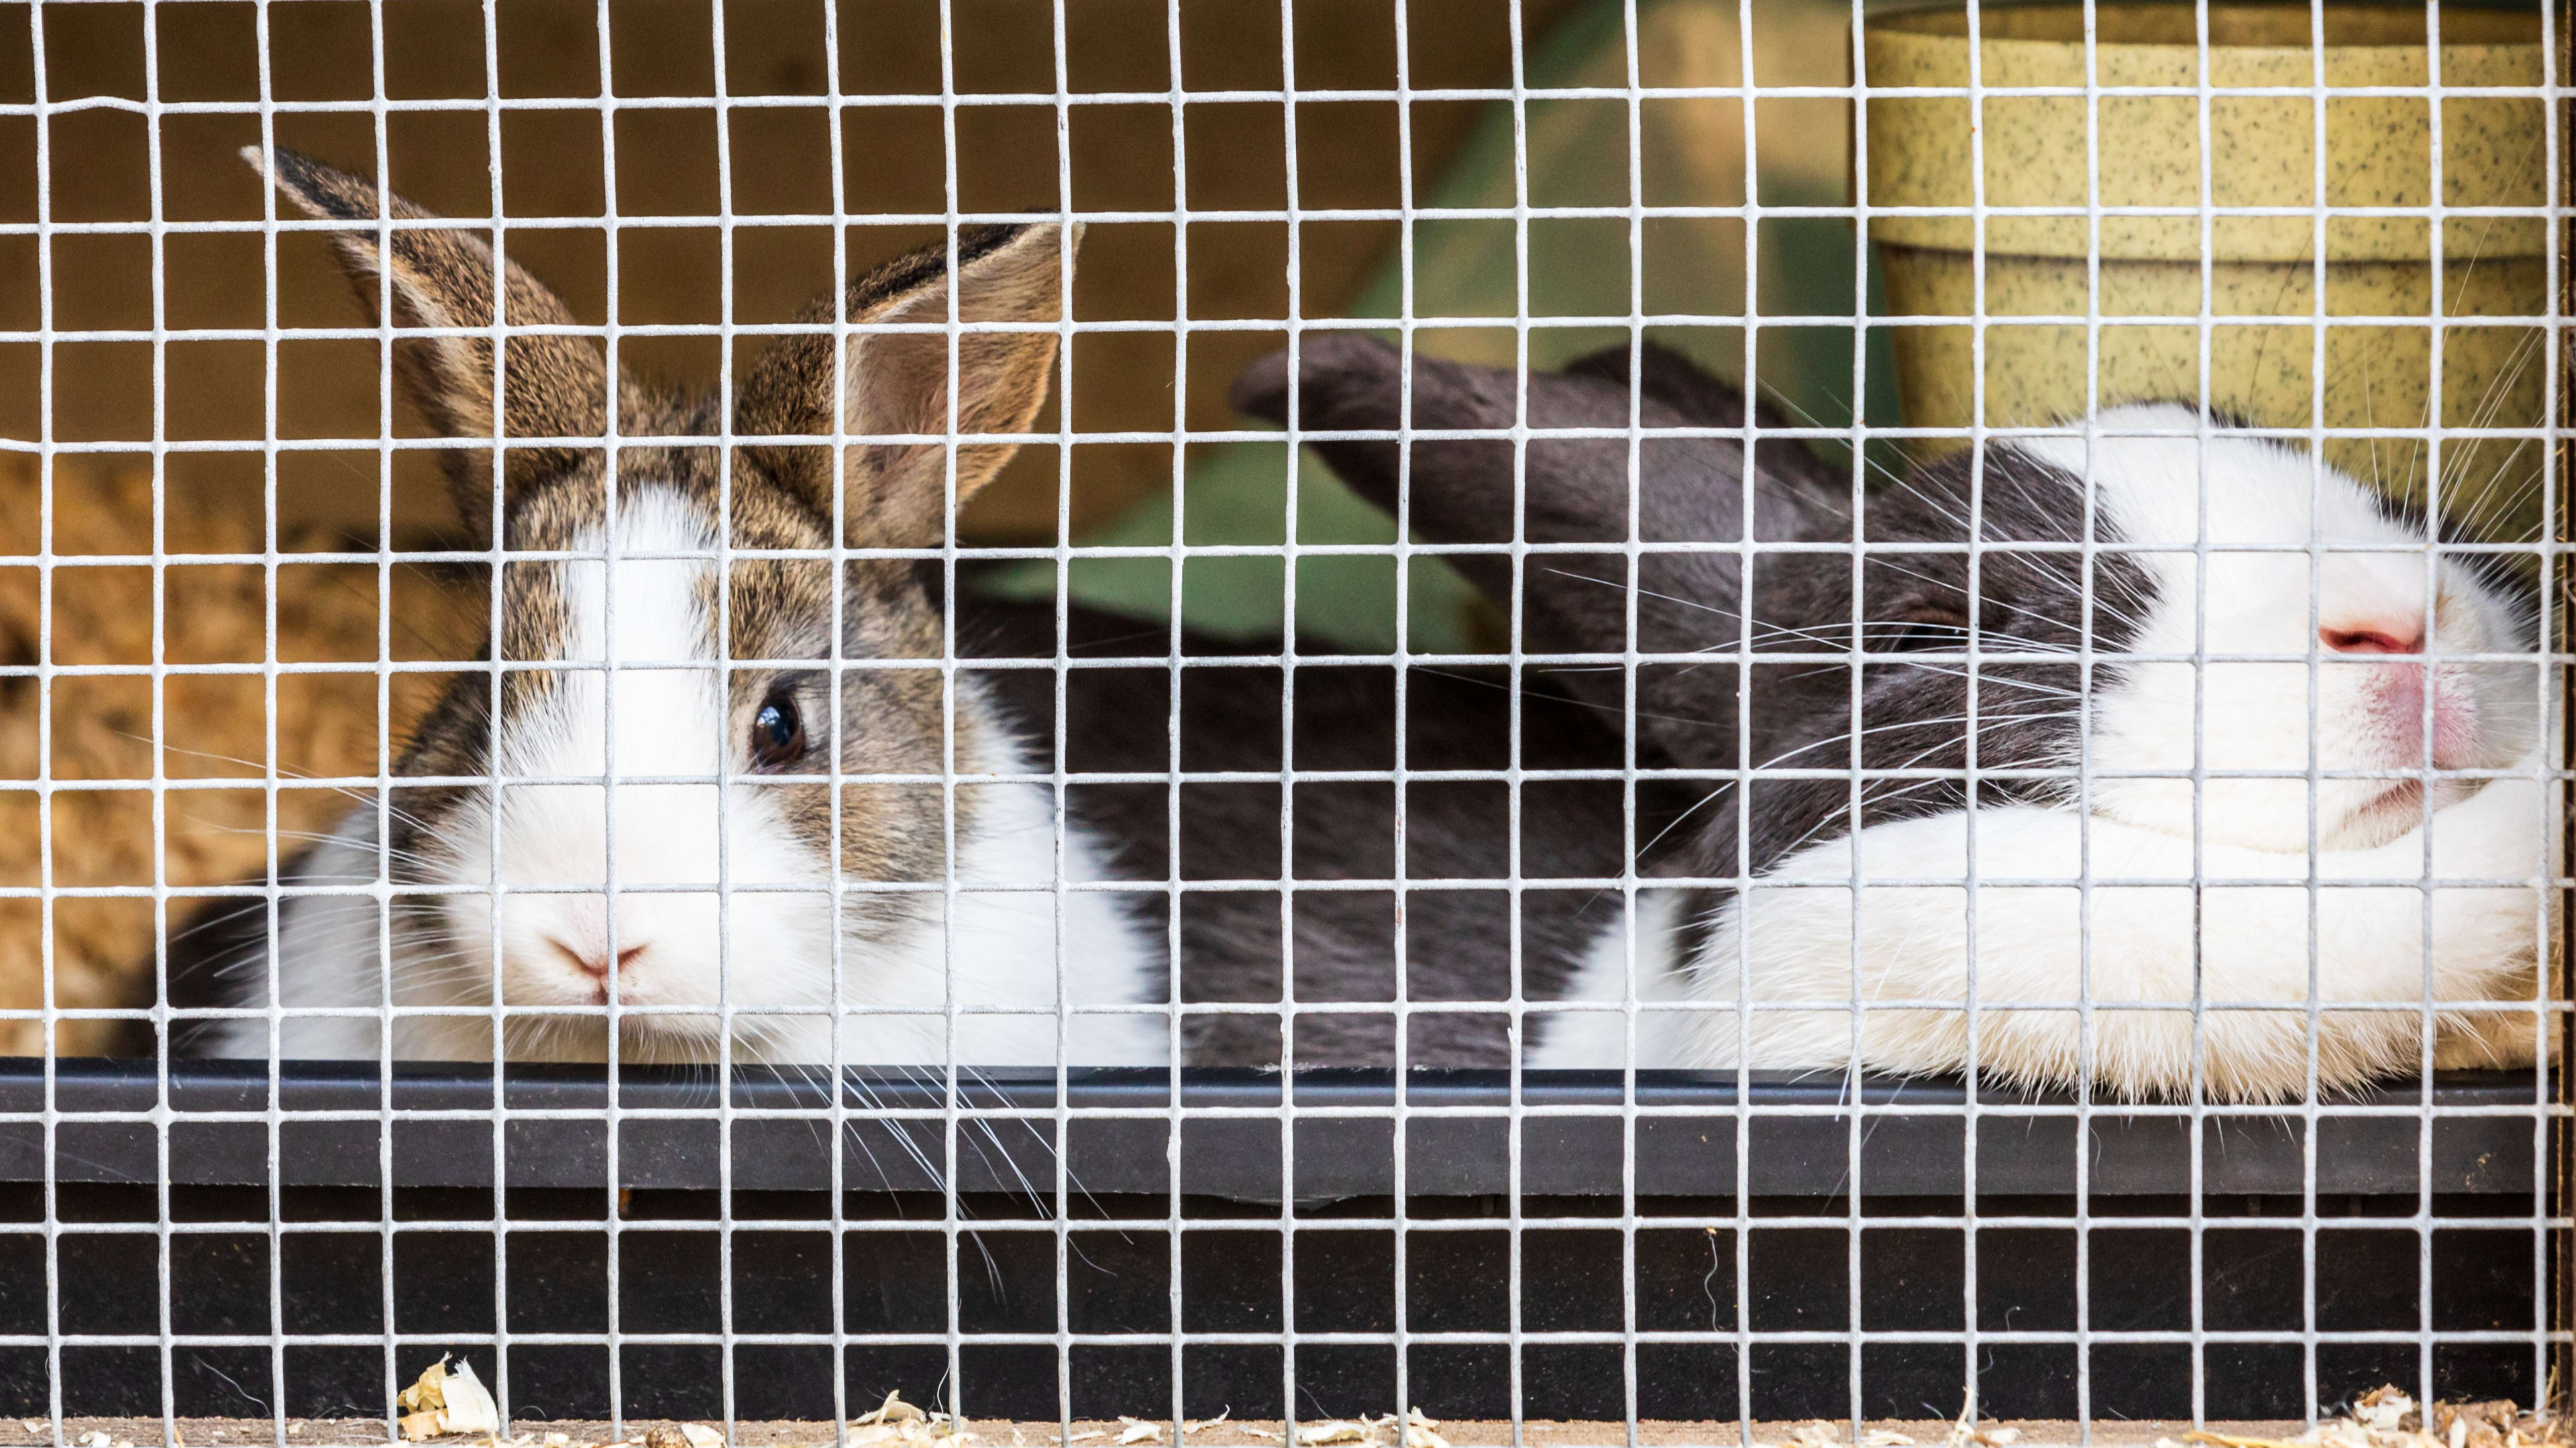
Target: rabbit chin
{"points": [[764, 949], [687, 960], [716, 904], [2353, 711]]}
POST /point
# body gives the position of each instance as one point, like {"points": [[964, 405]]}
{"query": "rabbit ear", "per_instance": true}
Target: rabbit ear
{"points": [[1569, 490], [553, 385], [898, 382], [1578, 490], [1574, 490]]}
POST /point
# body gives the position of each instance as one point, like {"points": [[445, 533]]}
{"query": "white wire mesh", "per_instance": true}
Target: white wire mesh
{"points": [[1861, 1337]]}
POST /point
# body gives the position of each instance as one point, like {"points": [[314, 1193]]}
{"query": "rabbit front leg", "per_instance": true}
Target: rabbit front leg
{"points": [[2210, 981]]}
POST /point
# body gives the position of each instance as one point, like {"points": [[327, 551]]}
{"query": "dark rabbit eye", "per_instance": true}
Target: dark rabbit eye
{"points": [[778, 732], [1926, 634], [1919, 632]]}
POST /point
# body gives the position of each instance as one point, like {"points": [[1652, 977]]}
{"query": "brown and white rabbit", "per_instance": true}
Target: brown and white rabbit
{"points": [[681, 718], [2139, 725], [708, 691]]}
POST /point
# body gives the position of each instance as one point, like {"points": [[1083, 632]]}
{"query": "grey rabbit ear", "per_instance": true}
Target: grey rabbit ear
{"points": [[1571, 490], [1457, 490], [1461, 490], [896, 494], [1577, 490], [1671, 379], [1790, 471], [552, 385]]}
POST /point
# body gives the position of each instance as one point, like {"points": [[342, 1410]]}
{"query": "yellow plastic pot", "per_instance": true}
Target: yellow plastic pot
{"points": [[2262, 152]]}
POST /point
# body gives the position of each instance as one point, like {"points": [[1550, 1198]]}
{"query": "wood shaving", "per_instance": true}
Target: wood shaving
{"points": [[893, 1410], [1138, 1430], [1968, 1433], [2385, 1408], [1086, 1436], [910, 1426], [444, 1401], [2387, 1417], [1420, 1431], [699, 1435], [1192, 1425], [896, 1421]]}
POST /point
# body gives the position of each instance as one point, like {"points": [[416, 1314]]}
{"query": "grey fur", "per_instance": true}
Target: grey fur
{"points": [[1734, 710], [1458, 943]]}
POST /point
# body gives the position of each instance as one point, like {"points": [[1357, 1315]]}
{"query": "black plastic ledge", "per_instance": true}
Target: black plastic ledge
{"points": [[1457, 1133]]}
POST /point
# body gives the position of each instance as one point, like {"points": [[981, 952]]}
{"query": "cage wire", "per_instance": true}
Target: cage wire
{"points": [[220, 657]]}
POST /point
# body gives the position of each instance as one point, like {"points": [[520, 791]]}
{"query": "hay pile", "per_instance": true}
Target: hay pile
{"points": [[212, 726]]}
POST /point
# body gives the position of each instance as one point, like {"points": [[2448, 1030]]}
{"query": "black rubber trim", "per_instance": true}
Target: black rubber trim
{"points": [[554, 1134]]}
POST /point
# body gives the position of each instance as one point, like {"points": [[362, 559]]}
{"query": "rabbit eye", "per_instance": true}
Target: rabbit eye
{"points": [[1919, 632], [778, 732]]}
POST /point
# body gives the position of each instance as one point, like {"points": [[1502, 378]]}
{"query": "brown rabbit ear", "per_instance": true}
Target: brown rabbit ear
{"points": [[897, 382], [553, 385]]}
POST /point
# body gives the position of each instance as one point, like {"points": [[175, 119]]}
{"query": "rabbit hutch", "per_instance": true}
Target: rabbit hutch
{"points": [[1376, 722]]}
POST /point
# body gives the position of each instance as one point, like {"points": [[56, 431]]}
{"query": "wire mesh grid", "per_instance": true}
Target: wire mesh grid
{"points": [[2453, 1172]]}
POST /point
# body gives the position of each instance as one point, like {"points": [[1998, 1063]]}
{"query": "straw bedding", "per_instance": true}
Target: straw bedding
{"points": [[210, 727]]}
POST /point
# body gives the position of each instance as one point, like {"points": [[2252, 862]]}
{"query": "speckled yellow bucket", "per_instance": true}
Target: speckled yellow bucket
{"points": [[2378, 153]]}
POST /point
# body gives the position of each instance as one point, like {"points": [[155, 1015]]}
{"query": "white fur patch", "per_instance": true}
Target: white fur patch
{"points": [[1571, 1040]]}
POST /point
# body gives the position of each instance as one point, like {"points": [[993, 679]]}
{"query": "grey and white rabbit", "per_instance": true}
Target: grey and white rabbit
{"points": [[722, 888], [673, 672], [2194, 659]]}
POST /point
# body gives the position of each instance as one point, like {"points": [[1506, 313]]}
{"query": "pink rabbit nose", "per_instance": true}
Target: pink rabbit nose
{"points": [[594, 960], [2398, 639]]}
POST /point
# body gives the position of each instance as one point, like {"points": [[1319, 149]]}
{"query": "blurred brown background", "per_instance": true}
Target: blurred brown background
{"points": [[669, 162]]}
